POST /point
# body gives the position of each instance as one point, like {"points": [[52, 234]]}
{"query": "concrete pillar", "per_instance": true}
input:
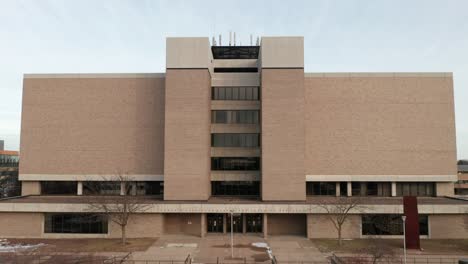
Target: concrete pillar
{"points": [[338, 189], [203, 225], [445, 189], [225, 216], [393, 189], [122, 188], [79, 188], [265, 226], [244, 224], [350, 190], [30, 188]]}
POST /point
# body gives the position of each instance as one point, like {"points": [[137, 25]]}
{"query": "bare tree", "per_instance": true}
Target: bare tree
{"points": [[338, 209], [119, 208]]}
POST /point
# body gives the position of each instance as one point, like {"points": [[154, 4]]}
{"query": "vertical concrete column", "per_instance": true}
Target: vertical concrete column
{"points": [[265, 226], [393, 189], [203, 225], [338, 190], [244, 224], [225, 216], [349, 189], [79, 188], [122, 188]]}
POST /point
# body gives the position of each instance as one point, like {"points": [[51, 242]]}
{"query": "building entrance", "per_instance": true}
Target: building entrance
{"points": [[215, 223], [237, 223], [254, 223]]}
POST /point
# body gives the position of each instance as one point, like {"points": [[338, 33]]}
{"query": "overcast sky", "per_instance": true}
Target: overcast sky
{"points": [[129, 36]]}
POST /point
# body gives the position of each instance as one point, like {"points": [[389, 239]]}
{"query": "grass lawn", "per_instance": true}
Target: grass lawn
{"points": [[89, 245], [429, 246]]}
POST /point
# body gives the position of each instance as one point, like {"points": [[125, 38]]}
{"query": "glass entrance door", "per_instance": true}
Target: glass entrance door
{"points": [[254, 223], [237, 223], [215, 223]]}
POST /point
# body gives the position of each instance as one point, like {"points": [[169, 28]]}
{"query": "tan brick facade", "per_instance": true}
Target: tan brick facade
{"points": [[187, 135], [283, 175]]}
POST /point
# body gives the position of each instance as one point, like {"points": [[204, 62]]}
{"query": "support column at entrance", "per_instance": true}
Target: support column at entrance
{"points": [[393, 189], [203, 225], [225, 223], [244, 224], [265, 226], [79, 190], [338, 190]]}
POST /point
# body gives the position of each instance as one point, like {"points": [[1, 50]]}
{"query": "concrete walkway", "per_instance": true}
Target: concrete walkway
{"points": [[217, 248]]}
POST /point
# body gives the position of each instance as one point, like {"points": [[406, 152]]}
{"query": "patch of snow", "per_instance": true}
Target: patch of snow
{"points": [[6, 246], [260, 244], [189, 245]]}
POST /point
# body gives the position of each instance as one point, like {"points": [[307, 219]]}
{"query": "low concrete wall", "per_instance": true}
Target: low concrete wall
{"points": [[319, 226], [448, 226], [187, 224], [287, 224], [21, 225], [140, 225]]}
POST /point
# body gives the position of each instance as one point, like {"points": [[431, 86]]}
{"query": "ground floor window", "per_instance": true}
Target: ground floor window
{"points": [[321, 188], [242, 223], [415, 189], [254, 223], [390, 224], [75, 223], [59, 187], [235, 188]]}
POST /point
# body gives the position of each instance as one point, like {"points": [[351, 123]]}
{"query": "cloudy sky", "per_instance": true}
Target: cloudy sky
{"points": [[90, 36]]}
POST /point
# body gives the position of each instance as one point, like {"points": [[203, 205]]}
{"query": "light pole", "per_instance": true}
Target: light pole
{"points": [[232, 234], [403, 217]]}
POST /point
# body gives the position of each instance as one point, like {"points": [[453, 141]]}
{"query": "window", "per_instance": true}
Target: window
{"points": [[343, 189], [235, 117], [59, 187], [415, 189], [234, 93], [150, 188], [371, 188], [235, 140], [235, 188], [321, 188], [101, 188], [390, 224], [75, 223], [235, 163]]}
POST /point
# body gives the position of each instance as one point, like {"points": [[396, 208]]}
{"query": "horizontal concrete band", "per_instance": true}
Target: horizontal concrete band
{"points": [[381, 178], [88, 177], [239, 208], [93, 75], [378, 74]]}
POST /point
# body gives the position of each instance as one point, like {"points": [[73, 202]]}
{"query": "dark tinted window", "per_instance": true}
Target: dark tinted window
{"points": [[75, 223], [150, 188], [235, 188], [415, 189], [59, 187], [235, 163], [371, 188], [390, 224], [321, 188], [235, 140], [235, 93], [101, 188], [235, 116]]}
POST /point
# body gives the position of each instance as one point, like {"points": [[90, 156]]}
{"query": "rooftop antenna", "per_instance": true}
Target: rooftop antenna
{"points": [[230, 37], [234, 38], [258, 41], [250, 39], [220, 40], [213, 41]]}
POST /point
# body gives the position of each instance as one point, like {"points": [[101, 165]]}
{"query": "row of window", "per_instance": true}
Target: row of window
{"points": [[235, 140], [390, 224], [235, 93], [235, 188], [235, 116], [372, 188], [101, 188], [9, 160], [235, 163], [75, 223]]}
